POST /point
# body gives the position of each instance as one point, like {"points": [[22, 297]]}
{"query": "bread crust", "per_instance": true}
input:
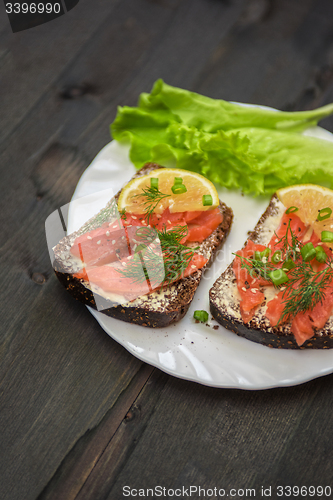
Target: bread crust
{"points": [[224, 301], [158, 309]]}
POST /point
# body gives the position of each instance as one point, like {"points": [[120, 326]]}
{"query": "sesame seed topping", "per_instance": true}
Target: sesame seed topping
{"points": [[254, 290], [107, 233], [133, 217], [243, 288], [89, 237], [99, 242], [193, 266], [113, 242]]}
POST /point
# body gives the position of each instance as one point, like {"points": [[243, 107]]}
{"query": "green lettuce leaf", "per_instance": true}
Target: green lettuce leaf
{"points": [[255, 149], [212, 115], [259, 162]]}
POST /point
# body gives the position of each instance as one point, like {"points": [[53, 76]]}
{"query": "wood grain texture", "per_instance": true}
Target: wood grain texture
{"points": [[80, 416], [196, 435], [35, 58], [74, 471]]}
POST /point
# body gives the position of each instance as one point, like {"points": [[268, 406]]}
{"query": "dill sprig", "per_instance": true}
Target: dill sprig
{"points": [[256, 267], [122, 214], [305, 288], [152, 196], [290, 244], [161, 261], [176, 255], [145, 265]]}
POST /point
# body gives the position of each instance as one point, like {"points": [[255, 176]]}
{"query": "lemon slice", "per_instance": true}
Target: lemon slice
{"points": [[310, 199], [132, 197]]}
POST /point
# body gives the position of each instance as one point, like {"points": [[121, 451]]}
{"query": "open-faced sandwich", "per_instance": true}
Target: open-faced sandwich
{"points": [[141, 258], [278, 291]]}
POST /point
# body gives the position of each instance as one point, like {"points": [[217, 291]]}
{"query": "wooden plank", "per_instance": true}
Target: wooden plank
{"points": [[310, 440], [195, 435], [271, 62], [64, 377], [25, 252], [40, 54], [125, 441], [82, 458]]}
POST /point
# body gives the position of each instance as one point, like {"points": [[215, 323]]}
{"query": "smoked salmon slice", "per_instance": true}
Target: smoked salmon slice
{"points": [[111, 278]]}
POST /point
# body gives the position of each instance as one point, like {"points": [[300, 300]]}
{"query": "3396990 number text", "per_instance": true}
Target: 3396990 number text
{"points": [[33, 8], [304, 491], [25, 14]]}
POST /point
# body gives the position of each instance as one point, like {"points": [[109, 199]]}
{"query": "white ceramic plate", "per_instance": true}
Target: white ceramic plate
{"points": [[191, 351]]}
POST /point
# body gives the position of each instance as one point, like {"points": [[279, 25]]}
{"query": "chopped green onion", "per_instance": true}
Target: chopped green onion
{"points": [[266, 252], [291, 210], [288, 264], [201, 316], [326, 236], [207, 200], [324, 213], [178, 186], [178, 189], [278, 277], [261, 255], [276, 257], [178, 180], [154, 183], [321, 255], [308, 251]]}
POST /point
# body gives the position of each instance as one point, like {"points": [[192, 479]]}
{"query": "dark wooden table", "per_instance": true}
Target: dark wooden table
{"points": [[81, 417]]}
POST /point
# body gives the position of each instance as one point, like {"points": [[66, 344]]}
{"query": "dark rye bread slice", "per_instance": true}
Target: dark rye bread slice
{"points": [[225, 299], [157, 309]]}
